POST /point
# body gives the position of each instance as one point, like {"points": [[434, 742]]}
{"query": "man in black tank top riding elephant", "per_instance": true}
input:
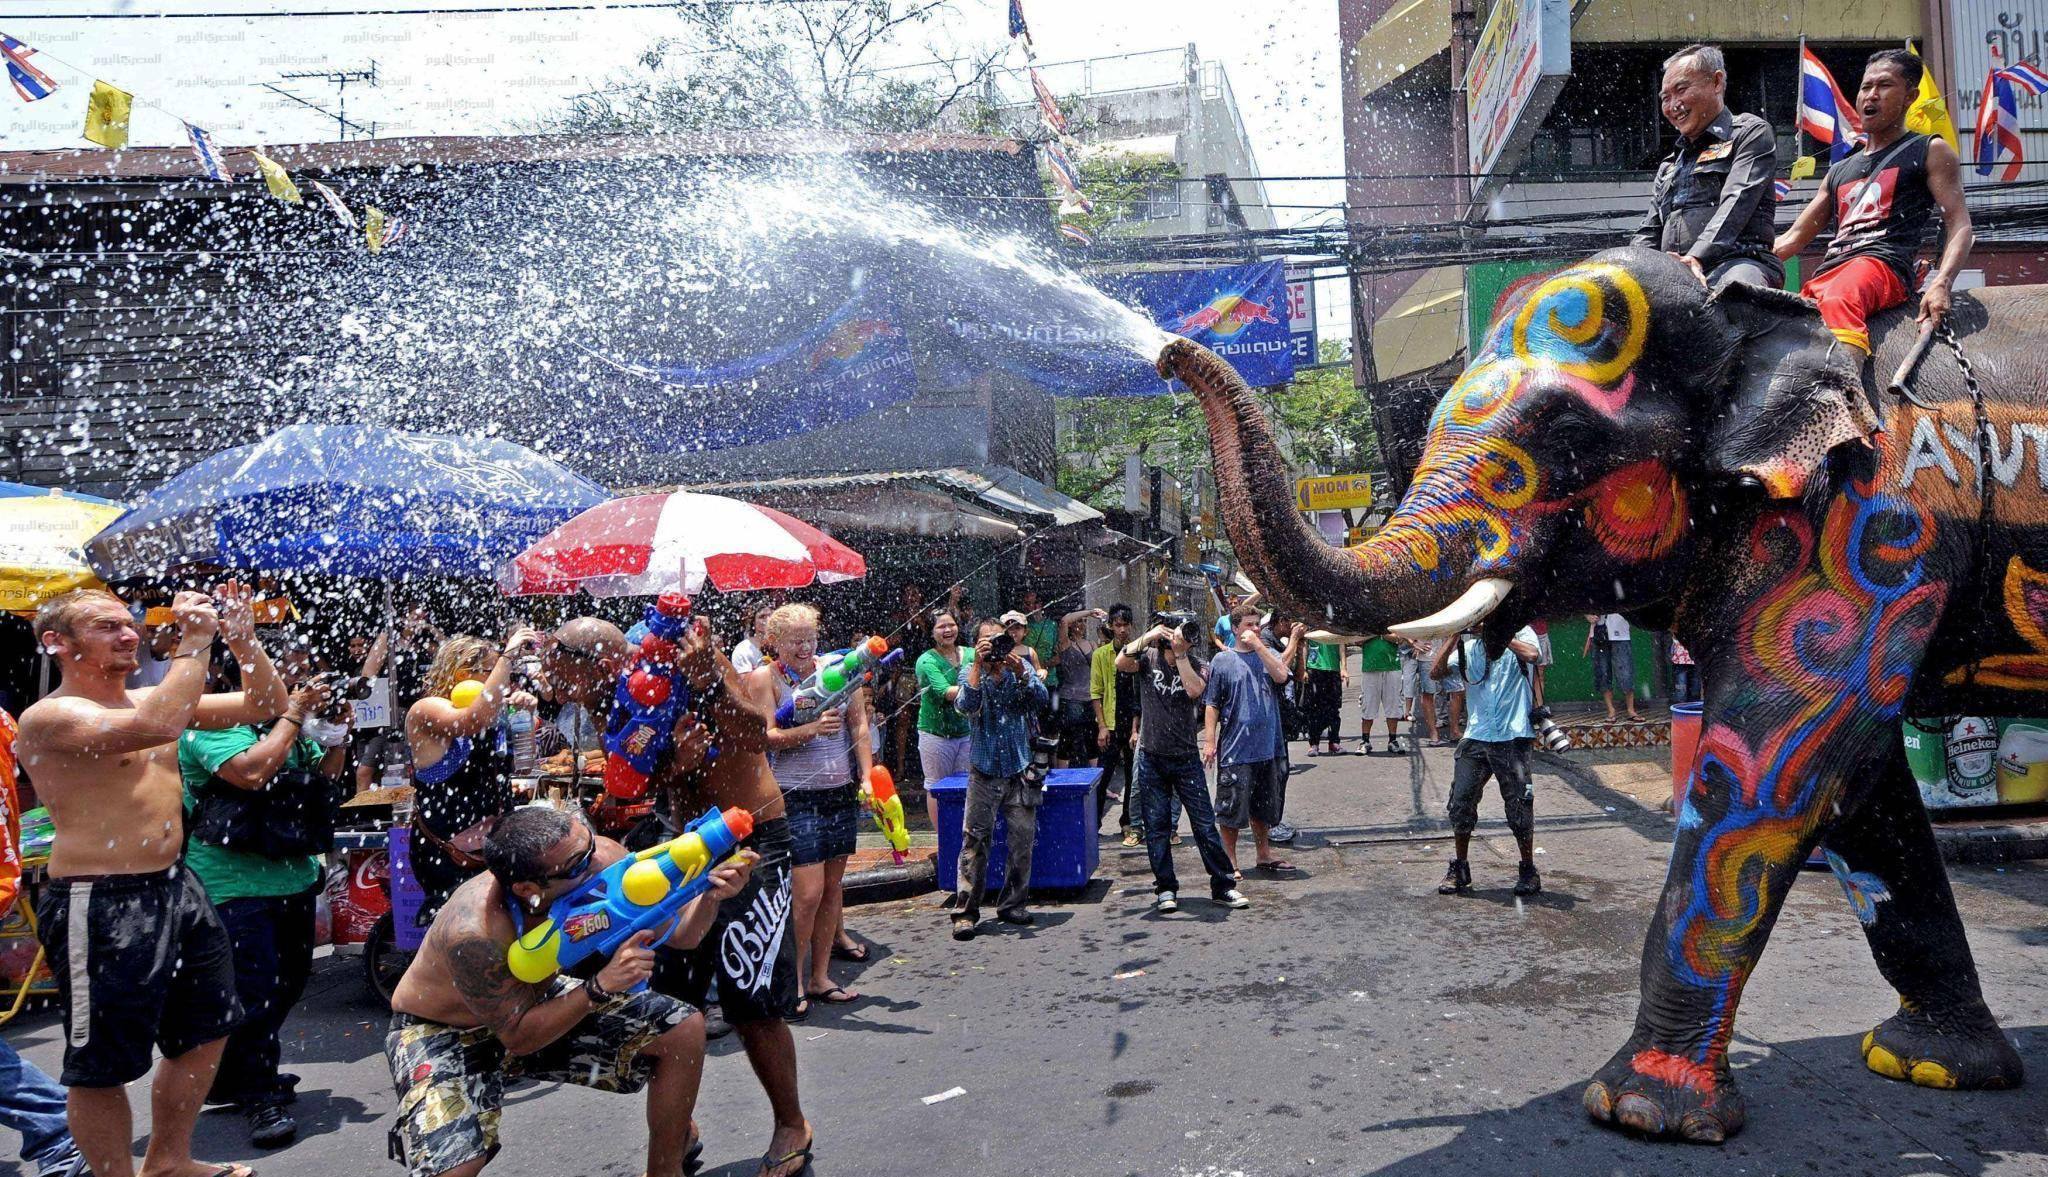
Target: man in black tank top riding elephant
{"points": [[1880, 200]]}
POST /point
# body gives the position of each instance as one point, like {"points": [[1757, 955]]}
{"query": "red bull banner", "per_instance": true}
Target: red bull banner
{"points": [[1238, 312]]}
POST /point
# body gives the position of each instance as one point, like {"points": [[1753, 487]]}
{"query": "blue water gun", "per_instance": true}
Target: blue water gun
{"points": [[646, 891], [832, 683], [652, 696]]}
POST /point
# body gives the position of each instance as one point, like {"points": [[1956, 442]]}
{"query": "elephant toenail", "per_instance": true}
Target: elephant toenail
{"points": [[1702, 1127], [1884, 1062], [1599, 1102], [1932, 1074], [1640, 1113]]}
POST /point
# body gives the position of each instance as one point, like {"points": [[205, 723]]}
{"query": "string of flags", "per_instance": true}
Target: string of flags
{"points": [[110, 109], [1826, 117], [1073, 202]]}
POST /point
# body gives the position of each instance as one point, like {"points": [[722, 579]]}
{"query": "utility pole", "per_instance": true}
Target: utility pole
{"points": [[339, 79]]}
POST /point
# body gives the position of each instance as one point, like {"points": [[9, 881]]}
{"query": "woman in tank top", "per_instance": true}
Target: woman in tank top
{"points": [[1076, 713], [816, 761], [464, 773]]}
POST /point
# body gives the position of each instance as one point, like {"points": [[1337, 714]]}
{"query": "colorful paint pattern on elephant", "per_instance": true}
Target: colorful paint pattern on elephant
{"points": [[2026, 608], [1829, 650], [1479, 493]]}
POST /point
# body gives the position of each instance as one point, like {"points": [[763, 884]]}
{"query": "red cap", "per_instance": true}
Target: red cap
{"points": [[672, 604], [740, 822]]}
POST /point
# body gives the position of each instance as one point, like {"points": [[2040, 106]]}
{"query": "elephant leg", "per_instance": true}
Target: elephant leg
{"points": [[1943, 1035], [1741, 841]]}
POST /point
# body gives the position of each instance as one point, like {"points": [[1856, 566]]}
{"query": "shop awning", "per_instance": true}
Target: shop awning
{"points": [[1412, 32], [1424, 327], [985, 502]]}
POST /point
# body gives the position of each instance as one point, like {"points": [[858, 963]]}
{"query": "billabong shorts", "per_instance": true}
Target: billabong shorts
{"points": [[751, 947]]}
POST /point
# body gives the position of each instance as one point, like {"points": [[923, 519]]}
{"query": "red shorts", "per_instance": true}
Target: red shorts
{"points": [[1852, 292]]}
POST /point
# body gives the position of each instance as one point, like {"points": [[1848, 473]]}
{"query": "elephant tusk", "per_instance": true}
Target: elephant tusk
{"points": [[1468, 610]]}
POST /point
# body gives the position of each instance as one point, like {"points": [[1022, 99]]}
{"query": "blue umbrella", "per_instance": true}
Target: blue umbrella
{"points": [[347, 500]]}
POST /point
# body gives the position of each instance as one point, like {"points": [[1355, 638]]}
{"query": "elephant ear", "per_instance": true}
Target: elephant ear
{"points": [[1793, 393]]}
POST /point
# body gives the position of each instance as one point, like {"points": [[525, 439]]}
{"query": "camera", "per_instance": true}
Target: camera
{"points": [[1190, 628], [1042, 750], [1552, 736], [1000, 646], [342, 689]]}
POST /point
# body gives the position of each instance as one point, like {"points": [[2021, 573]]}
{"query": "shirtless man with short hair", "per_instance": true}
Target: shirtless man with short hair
{"points": [[105, 760], [751, 947], [462, 1025]]}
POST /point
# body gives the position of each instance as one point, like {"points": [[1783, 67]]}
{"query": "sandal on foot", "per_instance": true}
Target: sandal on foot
{"points": [[836, 995], [842, 952], [801, 1011], [1274, 867], [693, 1156], [770, 1162]]}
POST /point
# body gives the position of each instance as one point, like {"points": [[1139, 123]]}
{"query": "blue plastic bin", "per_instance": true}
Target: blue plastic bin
{"points": [[1066, 851]]}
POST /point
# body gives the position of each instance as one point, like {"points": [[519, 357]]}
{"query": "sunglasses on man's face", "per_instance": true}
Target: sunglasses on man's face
{"points": [[576, 867]]}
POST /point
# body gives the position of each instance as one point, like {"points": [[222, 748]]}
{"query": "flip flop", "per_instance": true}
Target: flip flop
{"points": [[233, 1170], [842, 952], [1274, 867], [802, 1010], [693, 1157], [843, 998], [770, 1162]]}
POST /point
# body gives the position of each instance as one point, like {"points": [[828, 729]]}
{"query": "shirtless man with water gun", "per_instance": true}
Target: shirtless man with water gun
{"points": [[750, 946], [463, 1025]]}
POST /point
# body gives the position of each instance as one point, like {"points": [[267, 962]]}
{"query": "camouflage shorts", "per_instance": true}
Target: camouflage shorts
{"points": [[451, 1083]]}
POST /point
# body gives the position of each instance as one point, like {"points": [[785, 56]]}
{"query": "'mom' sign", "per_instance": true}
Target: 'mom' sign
{"points": [[1333, 492]]}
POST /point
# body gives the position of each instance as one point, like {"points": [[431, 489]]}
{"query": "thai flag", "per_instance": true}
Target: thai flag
{"points": [[2029, 77], [29, 82], [208, 154], [1048, 106], [1781, 190], [1823, 113], [1998, 125]]}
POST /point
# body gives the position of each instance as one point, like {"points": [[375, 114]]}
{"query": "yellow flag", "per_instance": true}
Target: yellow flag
{"points": [[277, 179], [1929, 113], [373, 228], [1802, 167], [106, 115]]}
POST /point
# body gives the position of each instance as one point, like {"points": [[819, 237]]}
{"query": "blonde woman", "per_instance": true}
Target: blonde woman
{"points": [[464, 773], [817, 763]]}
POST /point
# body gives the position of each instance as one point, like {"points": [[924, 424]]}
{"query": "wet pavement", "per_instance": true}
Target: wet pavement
{"points": [[1352, 1021]]}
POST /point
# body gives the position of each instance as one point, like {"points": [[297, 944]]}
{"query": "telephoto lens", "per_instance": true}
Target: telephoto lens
{"points": [[1553, 736], [1042, 749]]}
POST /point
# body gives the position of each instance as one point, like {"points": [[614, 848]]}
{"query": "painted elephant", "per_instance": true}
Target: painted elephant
{"points": [[1622, 440]]}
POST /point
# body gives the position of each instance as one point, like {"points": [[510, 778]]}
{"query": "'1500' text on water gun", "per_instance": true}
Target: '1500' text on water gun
{"points": [[834, 682], [636, 894], [882, 801], [652, 696]]}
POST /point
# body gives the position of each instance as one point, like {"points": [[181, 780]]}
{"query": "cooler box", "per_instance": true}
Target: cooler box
{"points": [[357, 869], [1066, 852], [1685, 743]]}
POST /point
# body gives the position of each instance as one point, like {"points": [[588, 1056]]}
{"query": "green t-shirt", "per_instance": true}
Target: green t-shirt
{"points": [[935, 676], [1379, 654], [1044, 637], [234, 874], [1325, 656]]}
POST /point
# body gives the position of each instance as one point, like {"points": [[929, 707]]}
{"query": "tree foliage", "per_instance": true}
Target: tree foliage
{"points": [[1321, 420], [795, 64]]}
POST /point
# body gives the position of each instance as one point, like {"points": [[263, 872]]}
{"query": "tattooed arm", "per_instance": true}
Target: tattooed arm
{"points": [[512, 1009]]}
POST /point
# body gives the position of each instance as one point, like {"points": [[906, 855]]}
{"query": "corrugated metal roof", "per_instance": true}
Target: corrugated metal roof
{"points": [[1000, 487], [177, 163]]}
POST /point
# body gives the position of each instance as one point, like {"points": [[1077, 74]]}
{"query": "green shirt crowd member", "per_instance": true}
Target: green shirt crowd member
{"points": [[936, 676], [1325, 656], [235, 874], [1379, 654]]}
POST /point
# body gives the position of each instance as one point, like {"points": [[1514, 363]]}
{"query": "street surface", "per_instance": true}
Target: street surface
{"points": [[1351, 1022]]}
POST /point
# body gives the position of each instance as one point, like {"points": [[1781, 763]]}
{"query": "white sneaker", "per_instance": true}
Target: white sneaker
{"points": [[1234, 899], [1165, 903]]}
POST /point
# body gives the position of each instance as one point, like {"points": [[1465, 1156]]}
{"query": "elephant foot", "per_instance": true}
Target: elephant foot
{"points": [[1965, 1052], [1662, 1095]]}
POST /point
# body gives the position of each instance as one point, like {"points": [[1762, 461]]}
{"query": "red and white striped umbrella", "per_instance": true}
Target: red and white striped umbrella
{"points": [[648, 544]]}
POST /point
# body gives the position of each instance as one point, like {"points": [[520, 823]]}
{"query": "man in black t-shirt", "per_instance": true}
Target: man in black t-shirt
{"points": [[1171, 679], [1881, 200]]}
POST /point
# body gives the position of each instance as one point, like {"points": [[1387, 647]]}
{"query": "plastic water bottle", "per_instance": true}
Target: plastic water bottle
{"points": [[521, 721]]}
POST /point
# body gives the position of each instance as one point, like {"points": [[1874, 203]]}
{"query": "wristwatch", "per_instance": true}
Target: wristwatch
{"points": [[597, 993]]}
